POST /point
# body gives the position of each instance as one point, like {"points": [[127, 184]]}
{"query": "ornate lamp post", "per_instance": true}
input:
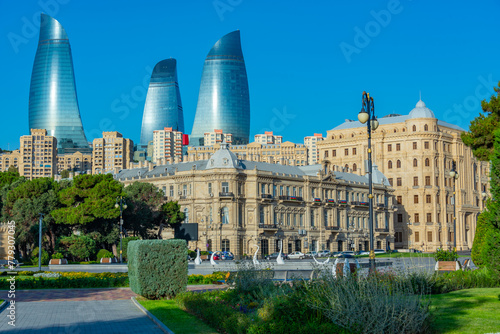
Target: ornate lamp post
{"points": [[367, 115], [454, 176], [120, 203]]}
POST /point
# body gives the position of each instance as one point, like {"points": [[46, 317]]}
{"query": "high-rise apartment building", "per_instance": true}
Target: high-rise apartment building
{"points": [[74, 162], [36, 157], [416, 152], [217, 136], [223, 101], [311, 142], [111, 153], [163, 107], [167, 145], [53, 103], [268, 138]]}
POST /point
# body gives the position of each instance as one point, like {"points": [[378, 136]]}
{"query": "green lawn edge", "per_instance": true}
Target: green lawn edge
{"points": [[176, 319], [466, 311]]}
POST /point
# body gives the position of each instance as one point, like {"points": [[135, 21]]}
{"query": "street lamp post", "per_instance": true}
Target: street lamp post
{"points": [[454, 176], [120, 203], [367, 115]]}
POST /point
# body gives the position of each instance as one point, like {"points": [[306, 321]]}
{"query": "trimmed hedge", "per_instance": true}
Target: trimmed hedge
{"points": [[74, 280], [104, 253], [157, 268]]}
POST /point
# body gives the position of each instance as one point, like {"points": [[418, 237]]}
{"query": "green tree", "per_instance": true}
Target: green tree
{"points": [[13, 169], [6, 180], [143, 209], [80, 247], [172, 214], [482, 227], [481, 131], [65, 174]]}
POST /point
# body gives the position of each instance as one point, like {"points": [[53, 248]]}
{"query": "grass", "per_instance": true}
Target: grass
{"points": [[397, 255], [466, 311], [174, 318]]}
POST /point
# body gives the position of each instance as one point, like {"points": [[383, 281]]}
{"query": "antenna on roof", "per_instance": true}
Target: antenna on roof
{"points": [[420, 95]]}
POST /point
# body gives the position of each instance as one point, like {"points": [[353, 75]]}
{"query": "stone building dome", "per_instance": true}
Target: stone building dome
{"points": [[421, 111], [223, 158]]}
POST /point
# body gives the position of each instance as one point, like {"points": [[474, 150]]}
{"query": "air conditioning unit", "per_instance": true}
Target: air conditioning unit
{"points": [[211, 195]]}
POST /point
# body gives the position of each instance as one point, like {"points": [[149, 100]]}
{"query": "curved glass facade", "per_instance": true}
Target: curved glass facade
{"points": [[163, 107], [223, 101], [53, 103]]}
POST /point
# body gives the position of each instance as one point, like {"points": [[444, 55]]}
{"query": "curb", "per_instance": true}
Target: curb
{"points": [[160, 324], [3, 305]]}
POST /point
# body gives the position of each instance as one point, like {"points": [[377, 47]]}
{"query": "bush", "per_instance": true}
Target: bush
{"points": [[157, 268], [81, 247], [483, 225], [103, 253], [490, 252], [125, 242], [464, 279], [443, 255], [34, 257], [57, 256], [69, 280]]}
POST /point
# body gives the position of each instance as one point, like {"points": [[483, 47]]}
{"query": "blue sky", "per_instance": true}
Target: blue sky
{"points": [[307, 64]]}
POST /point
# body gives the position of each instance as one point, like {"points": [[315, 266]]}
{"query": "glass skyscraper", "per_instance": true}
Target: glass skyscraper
{"points": [[163, 107], [53, 103], [223, 101]]}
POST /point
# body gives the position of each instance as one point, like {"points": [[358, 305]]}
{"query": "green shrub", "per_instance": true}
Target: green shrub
{"points": [[81, 247], [34, 257], [125, 242], [103, 253], [192, 254], [490, 252], [57, 256], [158, 268], [464, 279], [444, 255], [483, 225], [69, 280]]}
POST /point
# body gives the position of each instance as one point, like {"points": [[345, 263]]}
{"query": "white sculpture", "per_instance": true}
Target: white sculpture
{"points": [[212, 261], [255, 261], [279, 259], [357, 264], [334, 268], [198, 260], [322, 263], [347, 268]]}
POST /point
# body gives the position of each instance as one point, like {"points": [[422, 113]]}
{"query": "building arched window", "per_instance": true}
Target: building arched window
{"points": [[225, 245], [414, 128], [346, 167], [395, 130], [426, 127], [404, 129], [427, 162], [398, 164], [354, 167], [389, 164], [186, 216], [415, 163]]}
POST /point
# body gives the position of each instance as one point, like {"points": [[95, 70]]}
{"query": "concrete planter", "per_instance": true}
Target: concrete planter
{"points": [[109, 260], [58, 261]]}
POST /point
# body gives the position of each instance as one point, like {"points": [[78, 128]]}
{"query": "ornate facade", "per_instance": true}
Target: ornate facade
{"points": [[239, 204], [416, 152]]}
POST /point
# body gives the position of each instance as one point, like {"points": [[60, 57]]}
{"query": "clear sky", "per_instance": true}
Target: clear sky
{"points": [[307, 62]]}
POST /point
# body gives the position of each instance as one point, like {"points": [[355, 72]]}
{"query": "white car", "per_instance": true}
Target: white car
{"points": [[379, 251], [324, 253], [296, 255]]}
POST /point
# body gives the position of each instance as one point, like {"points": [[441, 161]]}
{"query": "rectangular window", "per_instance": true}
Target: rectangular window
{"points": [[437, 180], [400, 218], [399, 182], [334, 153], [210, 188], [427, 180], [354, 151], [429, 236], [417, 236], [391, 182], [426, 145], [398, 147], [389, 147], [437, 199], [414, 145], [415, 181], [346, 151], [416, 218], [429, 217], [415, 199], [184, 189], [326, 154], [312, 218], [225, 187], [399, 199], [428, 199]]}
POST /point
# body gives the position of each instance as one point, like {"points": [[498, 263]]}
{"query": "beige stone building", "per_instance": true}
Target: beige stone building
{"points": [[311, 142], [111, 152], [37, 156], [238, 204], [167, 146], [286, 153], [217, 137], [76, 162], [416, 152], [268, 138]]}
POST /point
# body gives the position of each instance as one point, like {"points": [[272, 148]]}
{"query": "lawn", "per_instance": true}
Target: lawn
{"points": [[467, 311], [178, 321], [396, 255]]}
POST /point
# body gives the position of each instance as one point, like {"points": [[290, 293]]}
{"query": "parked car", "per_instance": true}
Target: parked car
{"points": [[297, 255], [274, 256], [311, 254], [379, 251], [324, 253], [227, 255], [363, 253], [348, 254]]}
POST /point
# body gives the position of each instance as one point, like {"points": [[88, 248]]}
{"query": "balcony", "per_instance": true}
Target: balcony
{"points": [[266, 197], [342, 202], [316, 201], [268, 227], [293, 199], [226, 195], [380, 206], [332, 228], [329, 202], [361, 204], [382, 230]]}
